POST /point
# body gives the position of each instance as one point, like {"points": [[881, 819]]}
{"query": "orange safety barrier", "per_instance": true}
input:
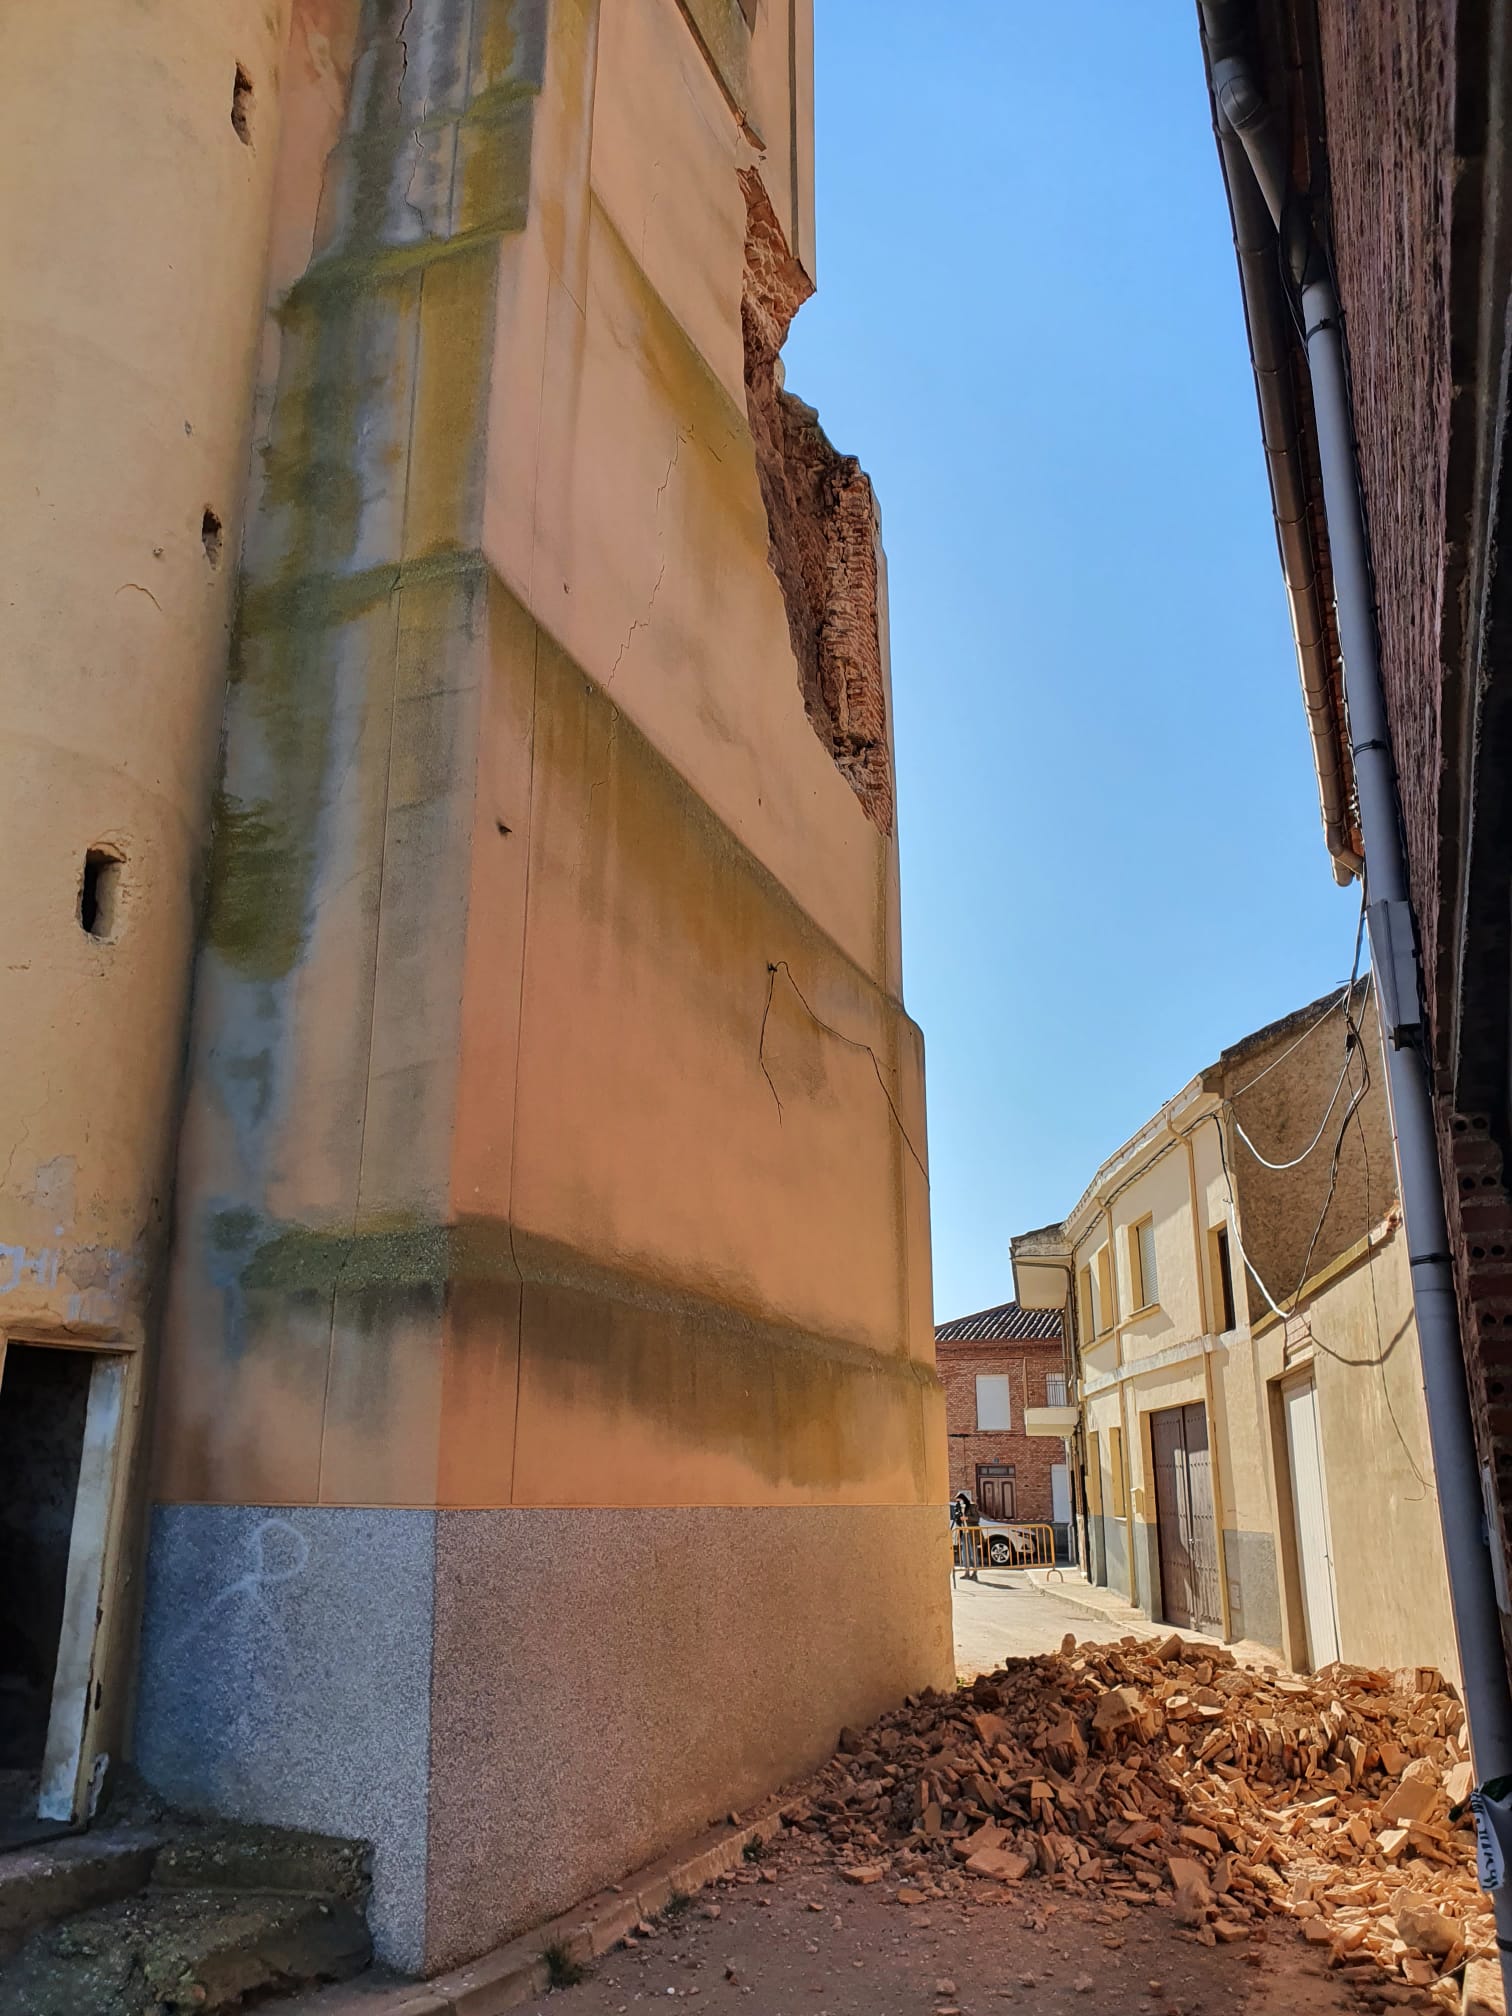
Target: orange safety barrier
{"points": [[1012, 1544]]}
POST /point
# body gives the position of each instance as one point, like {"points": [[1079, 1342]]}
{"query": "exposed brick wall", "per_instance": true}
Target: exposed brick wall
{"points": [[1388, 98], [823, 527], [1295, 1221], [1480, 1231], [1027, 1366]]}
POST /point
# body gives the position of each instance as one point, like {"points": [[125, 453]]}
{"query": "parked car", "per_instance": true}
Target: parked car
{"points": [[1005, 1543], [1009, 1545]]}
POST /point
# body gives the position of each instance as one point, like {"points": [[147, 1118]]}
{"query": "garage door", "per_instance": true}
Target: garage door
{"points": [[1185, 1526]]}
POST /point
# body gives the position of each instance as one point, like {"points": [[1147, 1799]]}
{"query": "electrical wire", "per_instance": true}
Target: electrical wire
{"points": [[1334, 1004], [1297, 1160], [1355, 1043], [1427, 1483]]}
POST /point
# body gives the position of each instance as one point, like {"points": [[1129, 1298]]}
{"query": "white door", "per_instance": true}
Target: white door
{"points": [[1060, 1494], [1310, 1512]]}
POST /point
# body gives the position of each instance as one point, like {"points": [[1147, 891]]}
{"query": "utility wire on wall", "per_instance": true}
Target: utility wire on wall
{"points": [[1354, 1046]]}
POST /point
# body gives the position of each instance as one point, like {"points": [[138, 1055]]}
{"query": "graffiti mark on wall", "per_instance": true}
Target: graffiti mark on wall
{"points": [[18, 1265], [241, 1611]]}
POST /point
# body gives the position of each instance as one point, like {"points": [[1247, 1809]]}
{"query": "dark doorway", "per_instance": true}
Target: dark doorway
{"points": [[995, 1490], [44, 1399], [1185, 1526]]}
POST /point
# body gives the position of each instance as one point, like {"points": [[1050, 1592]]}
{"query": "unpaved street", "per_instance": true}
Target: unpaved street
{"points": [[1169, 1883], [792, 1939]]}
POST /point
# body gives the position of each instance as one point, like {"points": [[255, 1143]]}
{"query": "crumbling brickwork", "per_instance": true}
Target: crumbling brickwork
{"points": [[1027, 1365], [822, 521]]}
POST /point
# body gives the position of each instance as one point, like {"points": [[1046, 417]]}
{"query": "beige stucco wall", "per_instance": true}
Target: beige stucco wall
{"points": [[555, 1137], [1358, 1341], [133, 280], [1172, 1354]]}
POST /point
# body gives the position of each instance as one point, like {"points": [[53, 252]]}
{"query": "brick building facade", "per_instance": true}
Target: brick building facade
{"points": [[1396, 121], [1006, 1470]]}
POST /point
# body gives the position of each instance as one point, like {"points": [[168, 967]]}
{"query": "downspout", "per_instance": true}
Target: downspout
{"points": [[1209, 1338], [1076, 1467], [1393, 957]]}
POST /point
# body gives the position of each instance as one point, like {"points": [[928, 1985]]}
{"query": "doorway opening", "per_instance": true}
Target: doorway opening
{"points": [[1186, 1529], [995, 1497], [58, 1410], [1309, 1509]]}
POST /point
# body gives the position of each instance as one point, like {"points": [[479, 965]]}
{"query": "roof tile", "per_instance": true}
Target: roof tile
{"points": [[1006, 1323]]}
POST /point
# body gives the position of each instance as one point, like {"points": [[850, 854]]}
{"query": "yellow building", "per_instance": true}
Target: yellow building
{"points": [[433, 629], [1253, 1443]]}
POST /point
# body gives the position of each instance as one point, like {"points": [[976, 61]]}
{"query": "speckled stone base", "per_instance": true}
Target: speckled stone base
{"points": [[517, 1706]]}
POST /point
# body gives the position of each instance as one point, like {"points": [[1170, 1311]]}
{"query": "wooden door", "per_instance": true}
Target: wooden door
{"points": [[994, 1493], [1310, 1517], [1186, 1528]]}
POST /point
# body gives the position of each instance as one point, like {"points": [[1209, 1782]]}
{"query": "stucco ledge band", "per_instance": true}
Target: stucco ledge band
{"points": [[517, 1972]]}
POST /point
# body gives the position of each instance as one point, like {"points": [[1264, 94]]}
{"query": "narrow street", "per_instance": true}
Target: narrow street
{"points": [[1010, 1614], [809, 1927], [791, 1938], [1004, 1615]]}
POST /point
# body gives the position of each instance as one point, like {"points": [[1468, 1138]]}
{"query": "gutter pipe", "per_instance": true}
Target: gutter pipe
{"points": [[1393, 955]]}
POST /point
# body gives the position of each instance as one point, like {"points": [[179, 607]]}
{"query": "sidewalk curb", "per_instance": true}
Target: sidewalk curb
{"points": [[1085, 1607], [517, 1972]]}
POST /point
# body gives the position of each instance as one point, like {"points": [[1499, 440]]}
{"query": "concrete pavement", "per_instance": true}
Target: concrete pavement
{"points": [[1013, 1613]]}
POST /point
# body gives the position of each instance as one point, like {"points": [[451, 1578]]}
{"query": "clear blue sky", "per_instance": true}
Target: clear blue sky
{"points": [[1028, 328]]}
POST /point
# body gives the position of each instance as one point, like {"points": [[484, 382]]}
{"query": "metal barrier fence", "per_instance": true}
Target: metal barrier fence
{"points": [[1011, 1545]]}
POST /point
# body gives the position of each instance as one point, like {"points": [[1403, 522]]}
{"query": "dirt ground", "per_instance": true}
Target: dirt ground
{"points": [[788, 1937]]}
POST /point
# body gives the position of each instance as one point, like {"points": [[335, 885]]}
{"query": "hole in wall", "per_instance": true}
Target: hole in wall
{"points": [[100, 892], [241, 106], [210, 533]]}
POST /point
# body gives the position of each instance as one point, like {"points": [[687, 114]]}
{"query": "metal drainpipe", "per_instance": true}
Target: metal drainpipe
{"points": [[1472, 1588]]}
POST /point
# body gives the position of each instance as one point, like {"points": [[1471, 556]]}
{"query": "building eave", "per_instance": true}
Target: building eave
{"points": [[1278, 48]]}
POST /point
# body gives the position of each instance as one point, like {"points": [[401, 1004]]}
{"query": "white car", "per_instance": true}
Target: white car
{"points": [[1009, 1545], [1006, 1544]]}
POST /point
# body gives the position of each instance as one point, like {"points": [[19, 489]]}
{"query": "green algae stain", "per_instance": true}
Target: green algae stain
{"points": [[399, 1252], [259, 875], [345, 480]]}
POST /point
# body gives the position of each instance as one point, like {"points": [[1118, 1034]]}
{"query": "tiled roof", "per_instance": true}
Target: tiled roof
{"points": [[1007, 1323]]}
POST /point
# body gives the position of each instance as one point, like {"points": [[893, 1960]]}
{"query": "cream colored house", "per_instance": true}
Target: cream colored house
{"points": [[1253, 1445]]}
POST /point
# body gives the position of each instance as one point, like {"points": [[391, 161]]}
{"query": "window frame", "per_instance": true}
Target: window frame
{"points": [[1221, 1266], [1005, 1379], [1054, 1379], [1144, 1300], [1118, 1472], [1086, 1309]]}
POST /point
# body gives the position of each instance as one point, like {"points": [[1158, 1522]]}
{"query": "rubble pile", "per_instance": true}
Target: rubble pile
{"points": [[1167, 1771]]}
